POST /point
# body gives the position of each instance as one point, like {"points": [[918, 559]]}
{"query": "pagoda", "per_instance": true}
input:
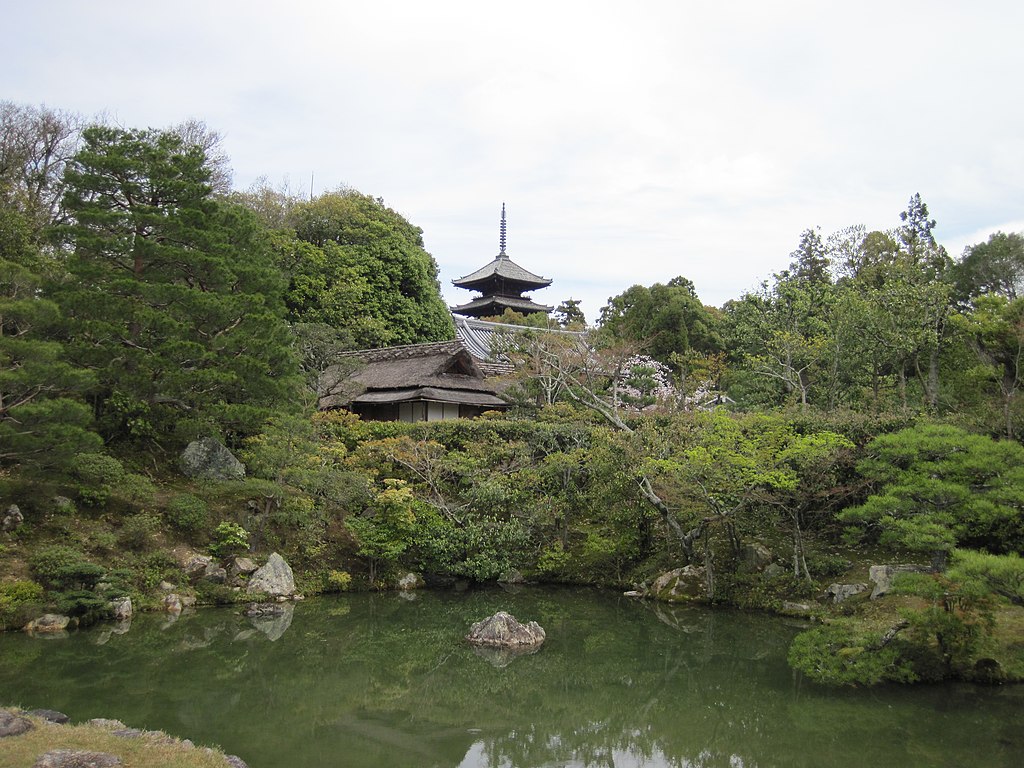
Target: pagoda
{"points": [[501, 284]]}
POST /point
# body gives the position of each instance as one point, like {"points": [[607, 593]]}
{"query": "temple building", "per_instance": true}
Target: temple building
{"points": [[501, 284]]}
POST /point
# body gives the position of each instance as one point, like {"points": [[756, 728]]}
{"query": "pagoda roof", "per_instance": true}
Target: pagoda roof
{"points": [[495, 305], [501, 267]]}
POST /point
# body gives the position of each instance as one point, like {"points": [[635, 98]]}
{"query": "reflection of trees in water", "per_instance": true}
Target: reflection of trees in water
{"points": [[375, 680]]}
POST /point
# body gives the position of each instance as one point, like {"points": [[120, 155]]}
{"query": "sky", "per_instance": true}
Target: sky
{"points": [[630, 142]]}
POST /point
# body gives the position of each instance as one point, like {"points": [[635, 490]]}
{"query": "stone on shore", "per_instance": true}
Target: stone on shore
{"points": [[13, 725], [74, 758], [274, 579], [48, 623]]}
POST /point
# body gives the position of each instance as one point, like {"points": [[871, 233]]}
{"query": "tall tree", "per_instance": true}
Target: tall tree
{"points": [[36, 144], [995, 266], [174, 300], [667, 321], [361, 265], [42, 423]]}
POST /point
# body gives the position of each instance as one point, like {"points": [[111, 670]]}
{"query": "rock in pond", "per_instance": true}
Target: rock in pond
{"points": [[680, 585], [50, 715], [410, 581], [274, 579], [48, 623], [121, 608], [503, 630]]}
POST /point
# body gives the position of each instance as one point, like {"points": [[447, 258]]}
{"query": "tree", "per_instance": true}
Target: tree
{"points": [[666, 321], [358, 264], [937, 487], [174, 300], [569, 315], [994, 331], [993, 267], [36, 143], [42, 423]]}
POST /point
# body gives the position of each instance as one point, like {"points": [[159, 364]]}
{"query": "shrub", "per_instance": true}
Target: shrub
{"points": [[837, 654], [97, 473], [86, 606], [18, 600], [229, 539], [137, 532], [60, 567], [338, 581], [187, 513]]}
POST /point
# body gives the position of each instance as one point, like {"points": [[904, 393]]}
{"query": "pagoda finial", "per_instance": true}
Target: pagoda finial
{"points": [[502, 238]]}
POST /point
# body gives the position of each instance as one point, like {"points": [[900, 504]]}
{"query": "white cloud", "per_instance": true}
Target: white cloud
{"points": [[631, 142]]}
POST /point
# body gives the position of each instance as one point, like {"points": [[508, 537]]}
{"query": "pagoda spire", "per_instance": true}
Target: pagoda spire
{"points": [[501, 239]]}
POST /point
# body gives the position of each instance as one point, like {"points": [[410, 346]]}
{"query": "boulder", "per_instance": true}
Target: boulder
{"points": [[841, 592], [121, 608], [209, 459], [172, 604], [410, 581], [12, 519], [882, 576], [503, 630], [13, 725], [680, 584], [76, 758], [238, 567], [773, 571], [234, 761], [511, 577], [634, 593], [756, 557], [50, 716], [48, 623], [202, 568], [107, 723], [274, 579]]}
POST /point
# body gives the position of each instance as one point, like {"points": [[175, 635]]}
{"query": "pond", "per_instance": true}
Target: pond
{"points": [[386, 680]]}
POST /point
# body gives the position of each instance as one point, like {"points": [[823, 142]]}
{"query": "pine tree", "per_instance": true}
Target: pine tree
{"points": [[174, 300]]}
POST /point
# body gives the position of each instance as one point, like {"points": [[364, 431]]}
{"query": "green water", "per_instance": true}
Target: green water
{"points": [[380, 680]]}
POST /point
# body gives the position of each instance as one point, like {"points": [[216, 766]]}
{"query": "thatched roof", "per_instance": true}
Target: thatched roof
{"points": [[439, 371]]}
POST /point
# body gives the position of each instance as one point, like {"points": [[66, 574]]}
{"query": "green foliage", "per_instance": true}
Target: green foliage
{"points": [[666, 321], [103, 477], [360, 266], [338, 581], [938, 486], [18, 599], [998, 574], [60, 567], [137, 531], [82, 604], [840, 654], [229, 539], [953, 626], [187, 513], [384, 530], [174, 300], [42, 424]]}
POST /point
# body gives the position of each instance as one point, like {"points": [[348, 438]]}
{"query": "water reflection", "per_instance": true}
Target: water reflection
{"points": [[375, 680]]}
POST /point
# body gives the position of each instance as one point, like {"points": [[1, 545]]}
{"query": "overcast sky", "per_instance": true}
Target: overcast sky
{"points": [[631, 142]]}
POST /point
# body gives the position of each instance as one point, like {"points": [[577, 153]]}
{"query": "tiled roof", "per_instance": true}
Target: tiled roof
{"points": [[499, 303], [502, 267]]}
